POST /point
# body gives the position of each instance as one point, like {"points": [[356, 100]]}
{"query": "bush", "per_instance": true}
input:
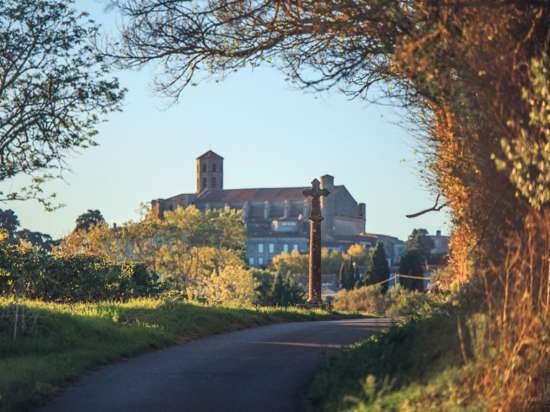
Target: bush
{"points": [[397, 302], [365, 299], [277, 289], [80, 278], [401, 302]]}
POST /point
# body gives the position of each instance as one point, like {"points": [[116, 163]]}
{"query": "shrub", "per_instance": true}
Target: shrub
{"points": [[365, 299], [80, 278], [277, 289], [397, 302], [401, 302]]}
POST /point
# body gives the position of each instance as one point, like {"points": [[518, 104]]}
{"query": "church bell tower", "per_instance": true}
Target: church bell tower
{"points": [[209, 172]]}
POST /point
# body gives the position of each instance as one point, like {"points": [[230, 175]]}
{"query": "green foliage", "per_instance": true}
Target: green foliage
{"points": [[296, 263], [28, 272], [277, 289], [347, 278], [397, 303], [232, 285], [199, 254], [379, 270], [366, 299], [293, 263], [412, 264], [420, 241], [62, 341], [8, 220], [54, 89], [416, 366], [88, 219], [526, 159]]}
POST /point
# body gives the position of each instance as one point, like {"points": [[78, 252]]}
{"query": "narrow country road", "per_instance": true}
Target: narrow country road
{"points": [[262, 369]]}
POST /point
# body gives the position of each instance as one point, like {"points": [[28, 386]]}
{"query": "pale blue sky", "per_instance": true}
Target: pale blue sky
{"points": [[269, 134]]}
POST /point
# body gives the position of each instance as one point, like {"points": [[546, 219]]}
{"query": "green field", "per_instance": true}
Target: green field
{"points": [[60, 341]]}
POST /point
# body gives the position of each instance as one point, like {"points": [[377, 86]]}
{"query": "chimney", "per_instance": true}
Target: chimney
{"points": [[286, 212], [246, 210], [327, 182], [328, 207], [267, 209]]}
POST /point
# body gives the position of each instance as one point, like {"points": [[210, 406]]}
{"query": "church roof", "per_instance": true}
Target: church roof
{"points": [[210, 154], [278, 194]]}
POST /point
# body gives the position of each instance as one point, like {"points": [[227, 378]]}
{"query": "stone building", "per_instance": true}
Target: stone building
{"points": [[441, 243], [276, 218]]}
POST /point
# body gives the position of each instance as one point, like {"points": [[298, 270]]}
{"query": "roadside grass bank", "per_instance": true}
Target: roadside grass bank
{"points": [[59, 342], [419, 365]]}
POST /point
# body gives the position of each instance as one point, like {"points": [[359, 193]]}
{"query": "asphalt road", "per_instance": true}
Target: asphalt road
{"points": [[262, 369]]}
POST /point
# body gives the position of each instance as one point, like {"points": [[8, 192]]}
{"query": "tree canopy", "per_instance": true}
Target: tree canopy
{"points": [[54, 90], [8, 220], [379, 270], [197, 253], [88, 219], [420, 241], [412, 264]]}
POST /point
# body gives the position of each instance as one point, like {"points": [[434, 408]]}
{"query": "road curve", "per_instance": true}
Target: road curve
{"points": [[262, 369]]}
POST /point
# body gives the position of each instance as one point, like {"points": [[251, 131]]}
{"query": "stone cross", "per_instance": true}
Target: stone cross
{"points": [[315, 219]]}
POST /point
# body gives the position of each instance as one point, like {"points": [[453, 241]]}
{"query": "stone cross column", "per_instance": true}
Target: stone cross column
{"points": [[315, 219]]}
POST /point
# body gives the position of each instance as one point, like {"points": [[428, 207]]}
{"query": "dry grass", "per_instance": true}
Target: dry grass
{"points": [[518, 304]]}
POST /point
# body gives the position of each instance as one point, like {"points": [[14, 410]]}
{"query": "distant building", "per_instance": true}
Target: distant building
{"points": [[276, 218], [393, 246], [441, 243]]}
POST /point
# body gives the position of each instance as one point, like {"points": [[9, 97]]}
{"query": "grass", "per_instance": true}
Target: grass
{"points": [[61, 341], [417, 366]]}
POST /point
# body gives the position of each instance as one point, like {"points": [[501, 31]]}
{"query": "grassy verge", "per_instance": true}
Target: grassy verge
{"points": [[418, 366], [63, 341]]}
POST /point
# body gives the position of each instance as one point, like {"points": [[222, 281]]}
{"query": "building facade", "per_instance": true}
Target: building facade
{"points": [[276, 219]]}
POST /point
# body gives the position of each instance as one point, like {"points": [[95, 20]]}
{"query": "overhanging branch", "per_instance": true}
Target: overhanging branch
{"points": [[435, 208]]}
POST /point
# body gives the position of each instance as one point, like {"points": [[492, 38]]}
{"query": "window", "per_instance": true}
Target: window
{"points": [[285, 247], [214, 183], [204, 167], [260, 248], [251, 261], [204, 183], [260, 261], [295, 248], [271, 248], [215, 167]]}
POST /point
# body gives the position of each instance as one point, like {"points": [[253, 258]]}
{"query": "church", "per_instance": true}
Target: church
{"points": [[276, 219]]}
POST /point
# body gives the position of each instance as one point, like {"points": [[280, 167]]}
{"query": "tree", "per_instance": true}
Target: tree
{"points": [[89, 219], [347, 275], [8, 221], [379, 270], [358, 254], [234, 284], [276, 289], [420, 240], [41, 241], [285, 291], [193, 251], [53, 89], [412, 264]]}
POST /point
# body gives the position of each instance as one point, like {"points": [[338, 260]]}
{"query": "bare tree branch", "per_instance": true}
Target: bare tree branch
{"points": [[435, 208]]}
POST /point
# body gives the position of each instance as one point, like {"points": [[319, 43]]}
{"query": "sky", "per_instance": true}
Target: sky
{"points": [[270, 134]]}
